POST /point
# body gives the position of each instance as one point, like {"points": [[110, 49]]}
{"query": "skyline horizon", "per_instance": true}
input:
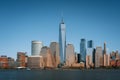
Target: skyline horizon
{"points": [[24, 21]]}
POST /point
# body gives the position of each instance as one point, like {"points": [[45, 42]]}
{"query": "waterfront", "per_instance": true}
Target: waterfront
{"points": [[60, 74]]}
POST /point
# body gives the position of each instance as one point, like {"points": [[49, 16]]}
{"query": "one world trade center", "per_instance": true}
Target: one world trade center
{"points": [[62, 42]]}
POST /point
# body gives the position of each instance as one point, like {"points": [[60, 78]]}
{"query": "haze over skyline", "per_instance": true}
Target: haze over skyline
{"points": [[22, 21]]}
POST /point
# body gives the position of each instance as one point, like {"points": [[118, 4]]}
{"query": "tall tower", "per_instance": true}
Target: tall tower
{"points": [[98, 57], [90, 44], [104, 48], [89, 54], [62, 42], [83, 50]]}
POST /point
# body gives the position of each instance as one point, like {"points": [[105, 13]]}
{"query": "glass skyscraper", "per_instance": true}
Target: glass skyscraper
{"points": [[89, 52], [90, 44], [62, 42], [83, 50]]}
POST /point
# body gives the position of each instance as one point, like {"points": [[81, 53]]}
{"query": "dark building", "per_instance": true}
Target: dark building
{"points": [[94, 50], [83, 50], [78, 58], [90, 44]]}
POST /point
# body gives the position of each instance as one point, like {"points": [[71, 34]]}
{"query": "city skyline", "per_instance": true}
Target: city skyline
{"points": [[24, 21]]}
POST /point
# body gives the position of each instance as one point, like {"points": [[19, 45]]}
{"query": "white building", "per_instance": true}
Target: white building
{"points": [[36, 48]]}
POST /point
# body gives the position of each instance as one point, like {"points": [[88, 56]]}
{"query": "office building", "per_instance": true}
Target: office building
{"points": [[4, 62], [98, 57], [21, 59], [78, 58], [106, 56], [90, 44], [62, 42], [89, 54], [36, 48], [11, 62], [48, 58], [89, 62], [70, 55], [54, 48], [104, 51], [106, 60], [83, 50], [35, 62]]}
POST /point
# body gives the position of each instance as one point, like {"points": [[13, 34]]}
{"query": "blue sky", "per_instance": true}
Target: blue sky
{"points": [[22, 21]]}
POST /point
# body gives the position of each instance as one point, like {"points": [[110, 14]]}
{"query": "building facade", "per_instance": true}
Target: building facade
{"points": [[21, 59], [35, 62], [70, 55], [4, 62], [89, 54], [83, 50], [48, 58], [36, 48], [89, 62], [54, 48], [90, 44], [62, 42], [98, 57]]}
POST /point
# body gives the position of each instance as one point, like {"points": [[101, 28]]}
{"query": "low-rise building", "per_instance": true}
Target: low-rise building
{"points": [[35, 62]]}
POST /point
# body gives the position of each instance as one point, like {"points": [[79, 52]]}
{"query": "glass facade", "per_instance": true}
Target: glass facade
{"points": [[62, 42], [90, 44], [83, 50]]}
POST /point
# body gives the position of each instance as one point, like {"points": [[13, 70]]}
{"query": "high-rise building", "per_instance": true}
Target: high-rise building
{"points": [[89, 61], [36, 48], [98, 57], [93, 57], [106, 60], [89, 54], [62, 42], [83, 50], [48, 58], [70, 55], [104, 51], [106, 56], [78, 57], [54, 47], [90, 44]]}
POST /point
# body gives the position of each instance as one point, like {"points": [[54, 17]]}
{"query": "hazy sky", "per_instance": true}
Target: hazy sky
{"points": [[22, 21]]}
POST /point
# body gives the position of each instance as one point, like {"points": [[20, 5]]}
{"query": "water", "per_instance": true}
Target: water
{"points": [[60, 75]]}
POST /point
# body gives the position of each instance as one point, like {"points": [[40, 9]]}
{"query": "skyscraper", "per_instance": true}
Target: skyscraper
{"points": [[83, 50], [105, 48], [62, 42], [36, 48], [47, 57], [90, 44], [89, 54], [54, 47], [106, 56], [98, 57], [70, 55]]}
